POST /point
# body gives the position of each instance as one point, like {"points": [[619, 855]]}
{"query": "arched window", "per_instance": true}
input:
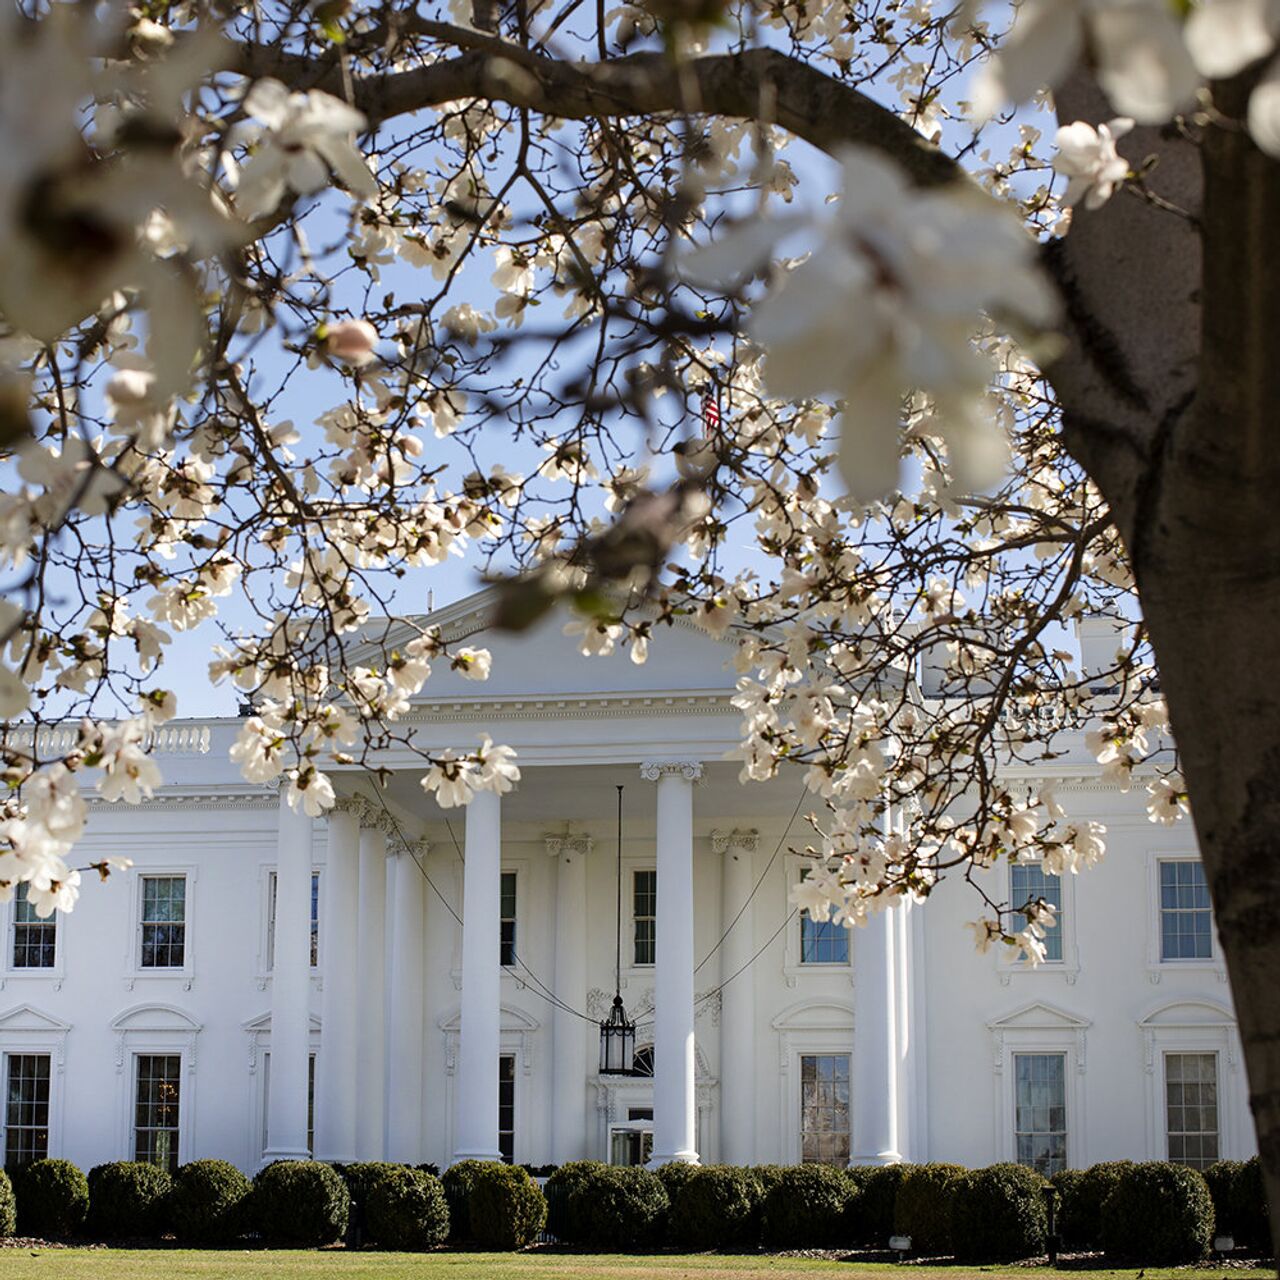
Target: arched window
{"points": [[643, 1061]]}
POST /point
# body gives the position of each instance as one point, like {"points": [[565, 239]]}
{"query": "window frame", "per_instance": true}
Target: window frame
{"points": [[176, 1128], [267, 940], [1157, 965], [12, 970], [1060, 1055], [512, 1084], [1009, 960], [53, 1069], [184, 973], [636, 918], [513, 919], [1202, 1052], [847, 1055], [794, 966]]}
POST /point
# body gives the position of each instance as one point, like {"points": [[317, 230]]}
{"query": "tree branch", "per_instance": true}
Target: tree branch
{"points": [[758, 84]]}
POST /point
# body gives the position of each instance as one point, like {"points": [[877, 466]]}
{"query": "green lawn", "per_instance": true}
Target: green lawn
{"points": [[181, 1264]]}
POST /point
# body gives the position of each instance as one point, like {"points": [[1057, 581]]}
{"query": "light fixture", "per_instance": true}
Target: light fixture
{"points": [[617, 1031]]}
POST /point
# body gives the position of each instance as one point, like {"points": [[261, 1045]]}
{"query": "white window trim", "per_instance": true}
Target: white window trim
{"points": [[1039, 1028], [26, 1029], [266, 878], [793, 968], [1157, 967], [819, 1026], [520, 868], [258, 1031], [1195, 1026], [1009, 960], [630, 865], [133, 970], [146, 1029], [8, 970]]}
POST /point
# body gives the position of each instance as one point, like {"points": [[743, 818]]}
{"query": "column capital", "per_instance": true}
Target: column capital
{"points": [[556, 845], [689, 770], [401, 848], [746, 840], [349, 804]]}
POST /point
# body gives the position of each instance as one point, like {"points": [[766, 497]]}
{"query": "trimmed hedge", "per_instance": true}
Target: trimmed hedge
{"points": [[8, 1206], [1252, 1213], [999, 1214], [871, 1211], [53, 1199], [361, 1176], [1084, 1192], [808, 1207], [1158, 1213], [457, 1180], [617, 1208], [561, 1220], [406, 1209], [128, 1198], [717, 1208], [300, 1202], [507, 1209], [210, 1202], [922, 1209]]}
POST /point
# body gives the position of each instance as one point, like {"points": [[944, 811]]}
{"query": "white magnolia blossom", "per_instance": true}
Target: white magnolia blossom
{"points": [[1087, 157], [917, 269], [298, 142]]}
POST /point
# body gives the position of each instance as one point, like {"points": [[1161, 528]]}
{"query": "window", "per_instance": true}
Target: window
{"points": [[26, 1118], [507, 911], [163, 921], [644, 911], [35, 941], [822, 941], [1040, 1111], [824, 1108], [1186, 922], [1191, 1107], [507, 1106], [642, 1063], [311, 1099], [315, 920], [1027, 882], [155, 1126]]}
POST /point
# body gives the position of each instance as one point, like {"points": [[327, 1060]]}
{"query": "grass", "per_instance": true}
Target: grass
{"points": [[235, 1264]]}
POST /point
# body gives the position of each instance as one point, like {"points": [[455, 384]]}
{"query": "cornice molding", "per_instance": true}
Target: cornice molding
{"points": [[231, 798], [582, 707]]}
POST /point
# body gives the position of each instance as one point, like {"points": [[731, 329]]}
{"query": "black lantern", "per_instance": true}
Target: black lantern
{"points": [[618, 1032]]}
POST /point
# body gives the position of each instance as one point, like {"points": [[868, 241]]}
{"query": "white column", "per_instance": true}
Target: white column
{"points": [[290, 993], [875, 1053], [370, 1083], [737, 998], [336, 1067], [573, 1038], [674, 1100], [406, 897], [476, 1120]]}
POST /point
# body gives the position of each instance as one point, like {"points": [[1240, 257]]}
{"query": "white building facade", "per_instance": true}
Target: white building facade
{"points": [[404, 982]]}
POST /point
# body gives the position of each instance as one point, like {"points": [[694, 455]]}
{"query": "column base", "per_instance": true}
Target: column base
{"points": [[656, 1161], [459, 1156], [284, 1153], [881, 1158]]}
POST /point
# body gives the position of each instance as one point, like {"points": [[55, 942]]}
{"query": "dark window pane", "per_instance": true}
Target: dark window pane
{"points": [[26, 1108], [507, 1107], [1040, 1111], [159, 1083], [644, 909], [824, 1108], [163, 922]]}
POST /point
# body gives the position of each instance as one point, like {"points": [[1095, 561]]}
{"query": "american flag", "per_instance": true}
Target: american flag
{"points": [[710, 414]]}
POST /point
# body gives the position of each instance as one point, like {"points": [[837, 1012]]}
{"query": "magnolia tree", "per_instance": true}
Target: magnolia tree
{"points": [[884, 338]]}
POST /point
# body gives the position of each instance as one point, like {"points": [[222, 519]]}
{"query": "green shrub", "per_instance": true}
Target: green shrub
{"points": [[922, 1207], [209, 1202], [999, 1214], [53, 1198], [8, 1206], [1223, 1180], [406, 1209], [1252, 1213], [128, 1198], [457, 1181], [1083, 1195], [808, 1207], [361, 1176], [871, 1211], [617, 1209], [559, 1190], [717, 1208], [300, 1202], [507, 1209], [1159, 1213]]}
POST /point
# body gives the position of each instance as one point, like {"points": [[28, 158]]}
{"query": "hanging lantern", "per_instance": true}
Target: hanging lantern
{"points": [[617, 1042], [617, 1031]]}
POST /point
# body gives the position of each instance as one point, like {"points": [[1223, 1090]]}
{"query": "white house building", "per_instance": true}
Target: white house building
{"points": [[406, 982]]}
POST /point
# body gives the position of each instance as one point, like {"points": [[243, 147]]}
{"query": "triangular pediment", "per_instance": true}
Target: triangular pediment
{"points": [[26, 1018], [1039, 1016], [263, 1023], [513, 1019]]}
